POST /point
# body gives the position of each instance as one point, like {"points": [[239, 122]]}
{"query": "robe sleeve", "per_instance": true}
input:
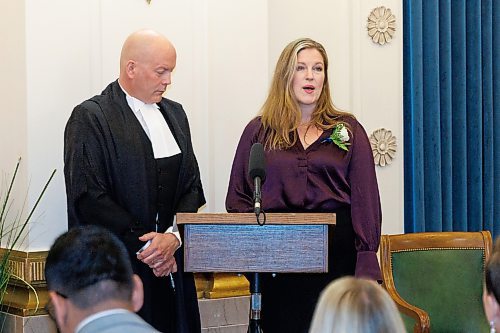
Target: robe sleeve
{"points": [[240, 190], [192, 197], [88, 181], [365, 205]]}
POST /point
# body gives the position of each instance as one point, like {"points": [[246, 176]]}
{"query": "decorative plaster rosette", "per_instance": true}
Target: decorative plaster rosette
{"points": [[381, 25], [383, 146]]}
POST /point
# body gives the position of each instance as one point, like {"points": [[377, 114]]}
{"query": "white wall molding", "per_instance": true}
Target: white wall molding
{"points": [[65, 52]]}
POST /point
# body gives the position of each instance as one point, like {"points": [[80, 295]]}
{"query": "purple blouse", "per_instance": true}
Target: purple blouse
{"points": [[321, 178]]}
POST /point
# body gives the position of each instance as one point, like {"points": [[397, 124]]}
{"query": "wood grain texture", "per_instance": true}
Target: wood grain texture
{"points": [[253, 248], [249, 218]]}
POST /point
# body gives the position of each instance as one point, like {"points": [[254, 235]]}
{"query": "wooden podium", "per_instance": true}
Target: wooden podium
{"points": [[235, 242]]}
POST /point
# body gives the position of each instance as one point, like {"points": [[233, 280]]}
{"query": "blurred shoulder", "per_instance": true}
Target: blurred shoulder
{"points": [[254, 128], [352, 123]]}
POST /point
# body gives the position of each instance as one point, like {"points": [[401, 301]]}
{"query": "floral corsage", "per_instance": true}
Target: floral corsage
{"points": [[339, 136]]}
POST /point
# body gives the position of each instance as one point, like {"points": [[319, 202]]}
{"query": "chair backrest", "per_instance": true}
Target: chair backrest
{"points": [[441, 273]]}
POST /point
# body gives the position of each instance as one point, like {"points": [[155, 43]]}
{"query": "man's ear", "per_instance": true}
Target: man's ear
{"points": [[130, 68], [59, 308], [491, 306], [137, 293]]}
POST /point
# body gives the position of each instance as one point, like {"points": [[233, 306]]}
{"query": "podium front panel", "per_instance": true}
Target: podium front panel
{"points": [[254, 248]]}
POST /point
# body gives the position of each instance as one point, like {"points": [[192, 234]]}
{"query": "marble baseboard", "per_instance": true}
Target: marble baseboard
{"points": [[224, 312], [222, 315], [10, 323], [226, 329]]}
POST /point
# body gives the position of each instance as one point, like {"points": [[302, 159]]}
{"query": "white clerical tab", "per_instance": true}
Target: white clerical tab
{"points": [[162, 139]]}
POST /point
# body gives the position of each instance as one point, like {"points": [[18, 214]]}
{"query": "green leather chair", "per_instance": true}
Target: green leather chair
{"points": [[436, 279]]}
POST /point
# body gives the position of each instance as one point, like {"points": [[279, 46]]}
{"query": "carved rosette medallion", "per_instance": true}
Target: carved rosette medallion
{"points": [[383, 146], [381, 25]]}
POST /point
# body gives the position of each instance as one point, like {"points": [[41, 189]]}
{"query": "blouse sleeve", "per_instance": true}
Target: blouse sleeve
{"points": [[239, 198], [365, 205]]}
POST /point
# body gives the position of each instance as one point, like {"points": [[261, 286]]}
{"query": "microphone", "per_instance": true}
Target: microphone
{"points": [[257, 171]]}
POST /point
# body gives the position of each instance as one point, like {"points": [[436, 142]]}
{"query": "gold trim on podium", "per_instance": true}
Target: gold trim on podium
{"points": [[220, 285], [202, 282]]}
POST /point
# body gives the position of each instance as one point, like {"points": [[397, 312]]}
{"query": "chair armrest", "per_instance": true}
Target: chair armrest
{"points": [[422, 321]]}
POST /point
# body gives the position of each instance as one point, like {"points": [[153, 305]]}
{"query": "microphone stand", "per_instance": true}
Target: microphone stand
{"points": [[255, 292], [257, 171], [255, 305]]}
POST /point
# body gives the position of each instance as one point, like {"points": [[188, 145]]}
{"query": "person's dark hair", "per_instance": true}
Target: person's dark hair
{"points": [[88, 265], [492, 272]]}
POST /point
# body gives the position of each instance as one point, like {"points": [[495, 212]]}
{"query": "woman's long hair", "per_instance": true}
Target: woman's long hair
{"points": [[281, 113]]}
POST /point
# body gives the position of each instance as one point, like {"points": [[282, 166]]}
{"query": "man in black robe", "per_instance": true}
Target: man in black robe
{"points": [[129, 166]]}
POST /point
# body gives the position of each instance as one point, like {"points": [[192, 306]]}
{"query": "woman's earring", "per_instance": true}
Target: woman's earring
{"points": [[492, 327]]}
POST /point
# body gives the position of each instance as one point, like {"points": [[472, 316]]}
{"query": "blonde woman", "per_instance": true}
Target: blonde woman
{"points": [[318, 159], [356, 306]]}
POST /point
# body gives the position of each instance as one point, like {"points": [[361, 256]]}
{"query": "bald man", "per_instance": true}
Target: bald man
{"points": [[129, 166]]}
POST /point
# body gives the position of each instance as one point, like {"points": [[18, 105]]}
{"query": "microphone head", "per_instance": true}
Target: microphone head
{"points": [[257, 162]]}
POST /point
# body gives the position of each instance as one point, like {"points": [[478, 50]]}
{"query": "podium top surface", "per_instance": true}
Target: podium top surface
{"points": [[249, 218]]}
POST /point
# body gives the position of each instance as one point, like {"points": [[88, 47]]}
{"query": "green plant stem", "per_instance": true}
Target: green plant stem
{"points": [[5, 272], [7, 195], [33, 209]]}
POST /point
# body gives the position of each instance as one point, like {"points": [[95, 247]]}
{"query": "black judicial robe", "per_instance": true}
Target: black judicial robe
{"points": [[111, 180]]}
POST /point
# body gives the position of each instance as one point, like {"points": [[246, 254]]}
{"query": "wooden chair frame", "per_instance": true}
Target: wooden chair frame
{"points": [[419, 241]]}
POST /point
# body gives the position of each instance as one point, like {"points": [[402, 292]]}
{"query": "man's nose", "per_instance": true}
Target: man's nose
{"points": [[166, 79]]}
